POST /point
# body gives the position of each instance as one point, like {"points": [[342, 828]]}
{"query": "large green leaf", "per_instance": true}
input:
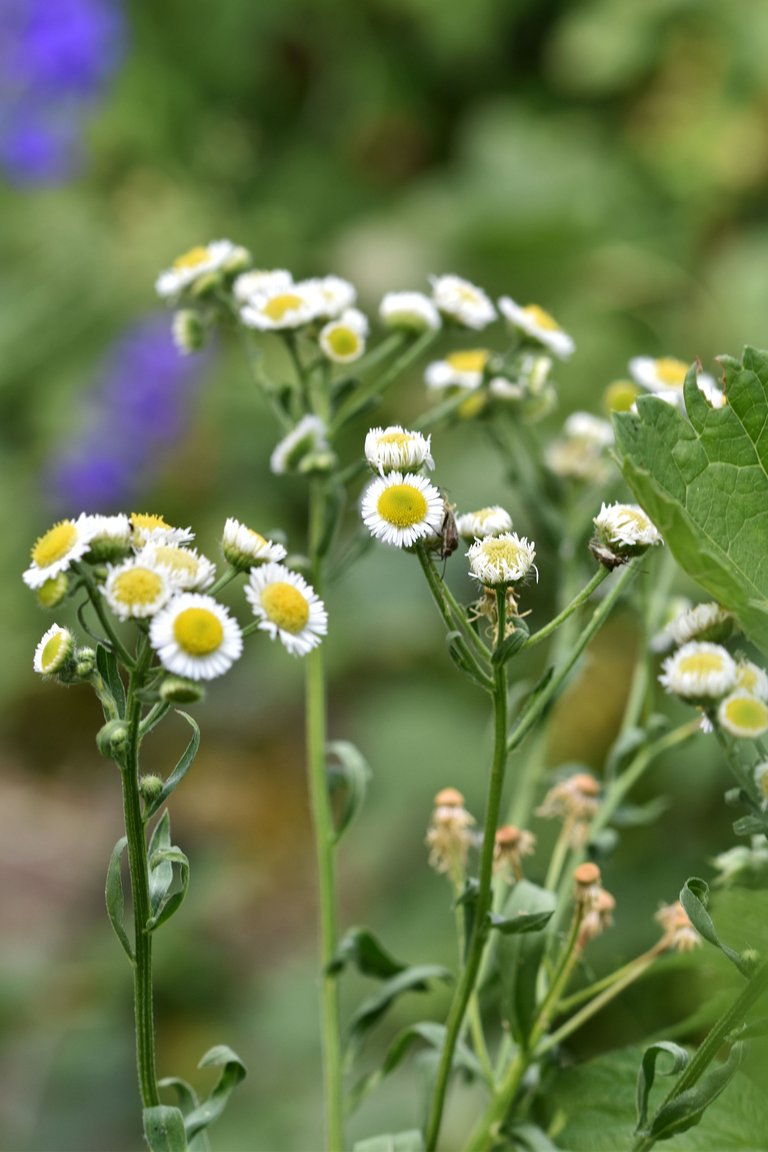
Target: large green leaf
{"points": [[703, 480]]}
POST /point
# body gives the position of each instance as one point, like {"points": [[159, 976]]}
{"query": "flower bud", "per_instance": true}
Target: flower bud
{"points": [[85, 662], [113, 739], [53, 591], [179, 690], [150, 787]]}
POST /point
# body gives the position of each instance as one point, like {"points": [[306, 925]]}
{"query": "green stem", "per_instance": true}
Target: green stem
{"points": [[95, 596], [139, 870], [578, 600], [454, 621], [376, 387], [467, 980]]}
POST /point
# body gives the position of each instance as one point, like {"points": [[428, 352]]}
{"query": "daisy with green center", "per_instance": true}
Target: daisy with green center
{"points": [[503, 559], [259, 283], [743, 715], [343, 340], [244, 549], [58, 548], [204, 260], [491, 521], [411, 311], [699, 671], [462, 302], [465, 369], [751, 678], [287, 607], [284, 309], [402, 508], [137, 588], [55, 651], [146, 528], [665, 377], [537, 325], [307, 440], [625, 529], [54, 591], [195, 637], [186, 569], [394, 449]]}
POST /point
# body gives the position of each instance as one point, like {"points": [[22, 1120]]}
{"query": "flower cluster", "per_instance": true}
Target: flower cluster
{"points": [[665, 378], [732, 693], [145, 570]]}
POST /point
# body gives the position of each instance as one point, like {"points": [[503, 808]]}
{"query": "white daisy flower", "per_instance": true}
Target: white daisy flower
{"points": [[55, 650], [410, 310], [491, 521], [196, 637], [580, 453], [589, 429], [743, 715], [503, 559], [402, 508], [137, 589], [58, 548], [111, 536], [287, 608], [665, 377], [394, 449], [336, 295], [625, 528], [343, 340], [699, 671], [281, 309], [308, 438], [187, 570], [538, 325], [260, 283], [703, 622], [186, 270], [244, 549], [463, 369], [751, 678], [147, 528], [462, 302]]}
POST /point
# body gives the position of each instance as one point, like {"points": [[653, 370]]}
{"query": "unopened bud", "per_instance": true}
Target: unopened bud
{"points": [[54, 591], [150, 787], [179, 690], [85, 662], [113, 740]]}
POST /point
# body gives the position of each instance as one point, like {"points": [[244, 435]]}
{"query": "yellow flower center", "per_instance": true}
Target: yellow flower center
{"points": [[279, 306], [137, 587], [53, 591], [671, 372], [192, 259], [502, 551], [52, 650], [55, 544], [701, 664], [471, 360], [746, 677], [541, 318], [401, 439], [470, 407], [747, 713], [343, 341], [620, 396], [402, 505], [285, 606], [198, 631], [147, 522], [467, 294], [177, 559]]}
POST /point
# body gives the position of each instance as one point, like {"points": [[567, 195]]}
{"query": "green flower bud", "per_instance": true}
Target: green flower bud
{"points": [[113, 740], [54, 591], [150, 786], [85, 662], [179, 690]]}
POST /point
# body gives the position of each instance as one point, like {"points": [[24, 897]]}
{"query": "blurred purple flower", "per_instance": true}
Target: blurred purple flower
{"points": [[138, 409], [56, 57]]}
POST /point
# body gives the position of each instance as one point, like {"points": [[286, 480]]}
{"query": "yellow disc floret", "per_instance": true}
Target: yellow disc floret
{"points": [[470, 360], [343, 341], [671, 372], [145, 521], [278, 307], [137, 587], [402, 505], [191, 259], [285, 606], [53, 650], [541, 318], [701, 663], [55, 544], [198, 631], [177, 559]]}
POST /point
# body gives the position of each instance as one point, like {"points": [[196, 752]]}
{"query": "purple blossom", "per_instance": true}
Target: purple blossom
{"points": [[137, 409]]}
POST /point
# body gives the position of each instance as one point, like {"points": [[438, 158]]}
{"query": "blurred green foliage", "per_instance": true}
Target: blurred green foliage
{"points": [[606, 159]]}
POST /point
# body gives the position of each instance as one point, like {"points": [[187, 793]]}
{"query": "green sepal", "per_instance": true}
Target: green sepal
{"points": [[434, 1036], [511, 644], [686, 1110], [647, 1073], [410, 1141], [162, 856], [414, 979], [115, 899], [519, 957], [164, 1129], [351, 773], [180, 771], [106, 663], [694, 898], [360, 948], [233, 1073]]}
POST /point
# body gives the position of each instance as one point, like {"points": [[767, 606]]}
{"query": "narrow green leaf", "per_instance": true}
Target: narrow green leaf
{"points": [[160, 869], [687, 1109], [410, 1141], [360, 948], [648, 1070], [415, 979], [162, 859], [519, 957], [233, 1073], [703, 480], [751, 825], [352, 771], [188, 1101], [115, 898], [164, 1129], [523, 922], [434, 1036], [694, 898], [106, 663], [181, 768]]}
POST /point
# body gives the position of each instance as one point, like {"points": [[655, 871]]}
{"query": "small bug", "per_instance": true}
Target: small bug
{"points": [[449, 533]]}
